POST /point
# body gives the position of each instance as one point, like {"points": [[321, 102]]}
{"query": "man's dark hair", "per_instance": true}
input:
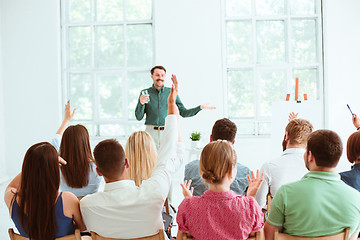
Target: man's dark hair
{"points": [[110, 158], [326, 146], [224, 129], [157, 67]]}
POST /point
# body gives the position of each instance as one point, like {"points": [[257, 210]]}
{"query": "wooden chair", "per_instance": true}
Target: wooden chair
{"points": [[158, 236], [75, 236], [268, 202], [340, 236], [257, 236]]}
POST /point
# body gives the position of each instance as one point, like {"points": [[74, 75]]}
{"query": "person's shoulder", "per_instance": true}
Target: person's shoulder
{"points": [[192, 164], [242, 167], [90, 199], [68, 196]]}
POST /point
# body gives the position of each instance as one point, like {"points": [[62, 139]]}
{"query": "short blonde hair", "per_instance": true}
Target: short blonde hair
{"points": [[141, 152], [299, 131], [216, 161]]}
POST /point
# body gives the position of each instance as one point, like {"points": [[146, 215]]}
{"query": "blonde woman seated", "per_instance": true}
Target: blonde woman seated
{"points": [[219, 213], [79, 176], [37, 208], [140, 150]]}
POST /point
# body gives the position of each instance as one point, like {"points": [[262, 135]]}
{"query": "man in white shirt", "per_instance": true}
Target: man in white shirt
{"points": [[124, 210], [290, 166]]}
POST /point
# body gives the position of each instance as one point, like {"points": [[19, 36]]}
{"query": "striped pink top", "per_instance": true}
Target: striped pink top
{"points": [[219, 215]]}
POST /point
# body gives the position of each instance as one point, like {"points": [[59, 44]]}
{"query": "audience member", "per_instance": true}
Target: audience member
{"points": [[124, 210], [352, 177], [141, 153], [223, 129], [79, 175], [220, 213], [290, 166], [320, 203], [36, 207]]}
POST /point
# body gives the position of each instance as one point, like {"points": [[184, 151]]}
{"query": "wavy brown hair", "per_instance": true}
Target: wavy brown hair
{"points": [[75, 149], [38, 191]]}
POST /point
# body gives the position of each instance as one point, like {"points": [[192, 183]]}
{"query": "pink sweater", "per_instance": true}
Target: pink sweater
{"points": [[219, 215]]}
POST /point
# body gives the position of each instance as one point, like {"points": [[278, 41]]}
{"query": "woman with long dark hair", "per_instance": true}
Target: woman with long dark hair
{"points": [[79, 174], [38, 210]]}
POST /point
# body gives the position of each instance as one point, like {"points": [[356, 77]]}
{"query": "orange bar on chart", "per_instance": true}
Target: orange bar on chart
{"points": [[287, 97], [305, 97], [297, 89]]}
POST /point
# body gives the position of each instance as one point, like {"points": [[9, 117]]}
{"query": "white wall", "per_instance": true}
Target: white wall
{"points": [[188, 43], [3, 174], [342, 63], [30, 41]]}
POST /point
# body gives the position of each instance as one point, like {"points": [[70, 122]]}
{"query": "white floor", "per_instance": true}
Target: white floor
{"points": [[6, 222]]}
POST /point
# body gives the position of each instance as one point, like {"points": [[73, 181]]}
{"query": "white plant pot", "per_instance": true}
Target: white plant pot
{"points": [[195, 144]]}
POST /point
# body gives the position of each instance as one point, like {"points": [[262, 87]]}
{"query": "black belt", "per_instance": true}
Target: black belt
{"points": [[159, 128]]}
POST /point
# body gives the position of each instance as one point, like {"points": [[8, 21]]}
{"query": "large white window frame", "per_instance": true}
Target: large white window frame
{"points": [[129, 123], [288, 66]]}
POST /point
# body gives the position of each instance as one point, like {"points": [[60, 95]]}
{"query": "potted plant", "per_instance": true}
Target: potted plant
{"points": [[195, 139]]}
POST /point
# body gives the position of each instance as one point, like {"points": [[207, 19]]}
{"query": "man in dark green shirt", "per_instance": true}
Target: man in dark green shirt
{"points": [[154, 104]]}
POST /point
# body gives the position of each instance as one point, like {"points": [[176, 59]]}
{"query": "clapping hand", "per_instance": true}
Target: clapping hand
{"points": [[187, 191]]}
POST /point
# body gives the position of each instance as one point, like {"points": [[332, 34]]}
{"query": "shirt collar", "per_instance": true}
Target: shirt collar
{"points": [[323, 175], [118, 185], [294, 150], [218, 195], [161, 90]]}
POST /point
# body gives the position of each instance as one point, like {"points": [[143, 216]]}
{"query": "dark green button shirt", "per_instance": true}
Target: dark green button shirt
{"points": [[156, 109]]}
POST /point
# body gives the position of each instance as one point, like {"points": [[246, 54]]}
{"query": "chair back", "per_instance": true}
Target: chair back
{"points": [[159, 236], [340, 236], [75, 236], [268, 202], [258, 234]]}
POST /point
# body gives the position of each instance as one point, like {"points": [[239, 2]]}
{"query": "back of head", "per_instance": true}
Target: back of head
{"points": [[110, 158], [40, 180], [140, 150], [75, 149], [216, 161], [299, 130], [353, 147], [326, 147], [224, 129]]}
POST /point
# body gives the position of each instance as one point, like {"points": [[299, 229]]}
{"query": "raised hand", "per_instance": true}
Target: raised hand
{"points": [[186, 190], [172, 108], [254, 183], [293, 115], [356, 121], [68, 114]]}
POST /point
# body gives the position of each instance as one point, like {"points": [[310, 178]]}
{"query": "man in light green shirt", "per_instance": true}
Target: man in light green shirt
{"points": [[154, 105], [320, 203]]}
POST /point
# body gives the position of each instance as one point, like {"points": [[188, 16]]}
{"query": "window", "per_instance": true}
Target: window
{"points": [[107, 52], [268, 43]]}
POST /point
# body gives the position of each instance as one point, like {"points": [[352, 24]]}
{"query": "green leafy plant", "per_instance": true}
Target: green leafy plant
{"points": [[195, 136]]}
